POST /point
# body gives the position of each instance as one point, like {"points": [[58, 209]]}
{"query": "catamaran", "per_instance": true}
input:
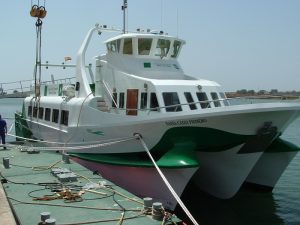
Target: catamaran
{"points": [[140, 99]]}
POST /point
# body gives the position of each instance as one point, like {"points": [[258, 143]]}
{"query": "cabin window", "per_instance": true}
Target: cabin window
{"points": [[115, 99], [55, 115], [190, 100], [171, 102], [153, 102], [144, 46], [64, 117], [202, 98], [225, 101], [144, 100], [35, 111], [127, 48], [162, 47], [47, 114], [113, 46], [215, 98], [41, 112], [121, 100], [29, 110], [176, 48]]}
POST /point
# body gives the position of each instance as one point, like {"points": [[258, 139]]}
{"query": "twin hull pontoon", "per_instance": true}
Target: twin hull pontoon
{"points": [[187, 123]]}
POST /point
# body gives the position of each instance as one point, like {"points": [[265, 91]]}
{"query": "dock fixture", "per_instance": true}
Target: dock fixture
{"points": [[6, 163], [157, 211]]}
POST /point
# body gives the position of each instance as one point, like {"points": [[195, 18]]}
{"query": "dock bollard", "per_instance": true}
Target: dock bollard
{"points": [[148, 204], [50, 221], [6, 163], [157, 211], [44, 217], [66, 158]]}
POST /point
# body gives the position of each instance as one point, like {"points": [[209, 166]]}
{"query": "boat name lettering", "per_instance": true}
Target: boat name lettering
{"points": [[185, 122]]}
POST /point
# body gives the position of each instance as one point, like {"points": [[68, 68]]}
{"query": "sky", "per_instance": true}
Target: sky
{"points": [[241, 44]]}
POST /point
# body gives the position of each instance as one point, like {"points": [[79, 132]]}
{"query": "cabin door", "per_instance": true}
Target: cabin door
{"points": [[132, 102]]}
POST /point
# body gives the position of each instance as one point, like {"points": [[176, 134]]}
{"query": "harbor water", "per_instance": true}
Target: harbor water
{"points": [[281, 207]]}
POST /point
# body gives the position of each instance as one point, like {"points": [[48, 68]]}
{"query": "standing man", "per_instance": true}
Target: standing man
{"points": [[3, 130]]}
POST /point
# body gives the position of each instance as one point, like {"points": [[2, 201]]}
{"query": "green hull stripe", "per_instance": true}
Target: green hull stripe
{"points": [[280, 145], [182, 155]]}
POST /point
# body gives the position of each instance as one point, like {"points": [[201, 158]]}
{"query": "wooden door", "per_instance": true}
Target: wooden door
{"points": [[132, 102]]}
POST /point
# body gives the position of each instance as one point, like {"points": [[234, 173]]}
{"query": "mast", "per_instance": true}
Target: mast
{"points": [[39, 12], [124, 7]]}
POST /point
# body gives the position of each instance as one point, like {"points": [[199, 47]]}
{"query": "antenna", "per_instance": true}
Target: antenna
{"points": [[124, 7]]}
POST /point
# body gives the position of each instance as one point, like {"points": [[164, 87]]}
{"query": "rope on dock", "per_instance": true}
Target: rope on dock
{"points": [[166, 181]]}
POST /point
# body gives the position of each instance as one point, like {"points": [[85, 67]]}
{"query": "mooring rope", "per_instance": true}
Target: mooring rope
{"points": [[166, 181], [66, 148]]}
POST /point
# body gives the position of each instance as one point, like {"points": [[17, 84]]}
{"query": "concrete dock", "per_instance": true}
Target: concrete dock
{"points": [[35, 183]]}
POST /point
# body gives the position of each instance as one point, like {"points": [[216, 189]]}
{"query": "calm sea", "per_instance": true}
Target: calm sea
{"points": [[281, 207]]}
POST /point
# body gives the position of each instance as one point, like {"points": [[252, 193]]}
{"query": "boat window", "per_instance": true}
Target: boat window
{"points": [[202, 98], [41, 112], [190, 100], [144, 46], [29, 110], [47, 114], [55, 115], [225, 101], [127, 48], [64, 117], [162, 47], [144, 100], [121, 100], [153, 102], [176, 48], [115, 99], [113, 46], [35, 111], [215, 97], [171, 99]]}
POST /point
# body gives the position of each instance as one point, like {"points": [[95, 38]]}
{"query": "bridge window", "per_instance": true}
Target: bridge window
{"points": [[41, 113], [176, 48], [29, 110], [143, 100], [47, 114], [115, 99], [64, 117], [127, 48], [215, 97], [190, 100], [162, 47], [171, 102], [225, 101], [121, 100], [144, 46], [55, 115], [35, 111], [153, 102], [113, 46], [202, 98]]}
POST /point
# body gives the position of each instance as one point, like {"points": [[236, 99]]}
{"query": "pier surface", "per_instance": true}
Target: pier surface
{"points": [[30, 187]]}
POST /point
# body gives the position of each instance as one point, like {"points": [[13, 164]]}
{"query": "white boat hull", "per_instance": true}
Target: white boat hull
{"points": [[271, 165]]}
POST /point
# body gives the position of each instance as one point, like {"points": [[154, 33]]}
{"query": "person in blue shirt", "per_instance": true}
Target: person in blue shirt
{"points": [[3, 130]]}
